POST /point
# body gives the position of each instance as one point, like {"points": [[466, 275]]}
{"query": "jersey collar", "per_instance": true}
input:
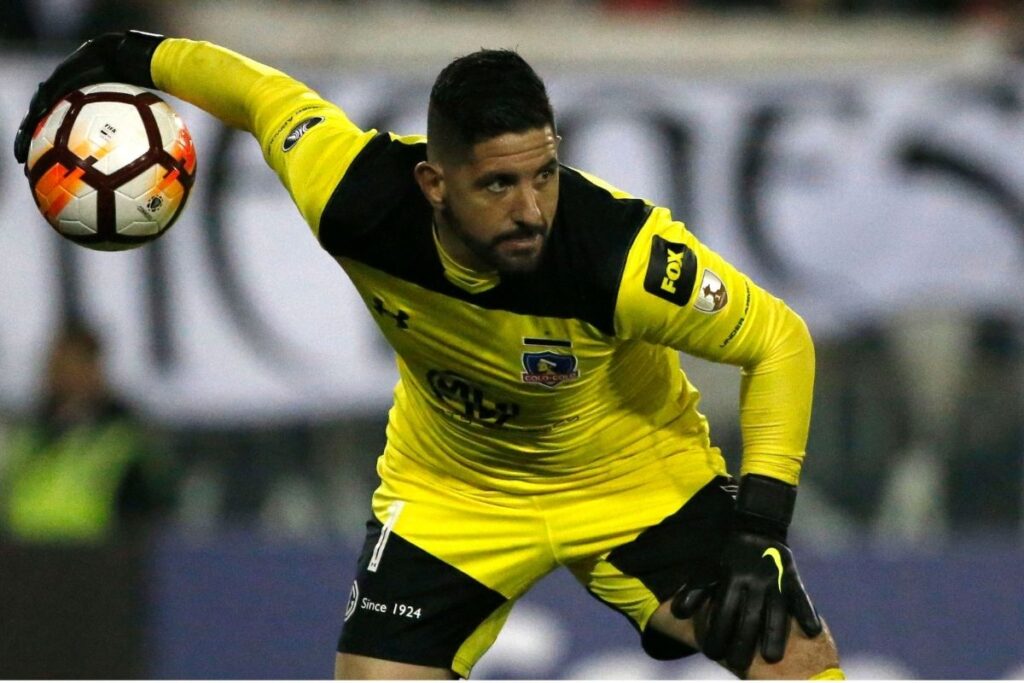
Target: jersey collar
{"points": [[472, 281]]}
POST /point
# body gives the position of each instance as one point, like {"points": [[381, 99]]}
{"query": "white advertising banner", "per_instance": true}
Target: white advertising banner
{"points": [[853, 200]]}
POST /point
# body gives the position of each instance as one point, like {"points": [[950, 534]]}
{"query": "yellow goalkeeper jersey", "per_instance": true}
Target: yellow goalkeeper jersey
{"points": [[531, 382]]}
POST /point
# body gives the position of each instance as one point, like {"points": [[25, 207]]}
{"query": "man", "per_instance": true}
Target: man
{"points": [[79, 470], [541, 418]]}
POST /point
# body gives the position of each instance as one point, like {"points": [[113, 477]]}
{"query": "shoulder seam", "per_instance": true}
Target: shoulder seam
{"points": [[625, 259]]}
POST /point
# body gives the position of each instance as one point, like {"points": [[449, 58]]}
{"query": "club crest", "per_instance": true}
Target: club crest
{"points": [[549, 368]]}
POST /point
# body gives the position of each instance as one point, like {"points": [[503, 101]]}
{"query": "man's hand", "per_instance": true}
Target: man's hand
{"points": [[757, 588], [111, 57]]}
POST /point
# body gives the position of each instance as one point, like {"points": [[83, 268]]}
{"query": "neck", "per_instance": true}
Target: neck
{"points": [[455, 248]]}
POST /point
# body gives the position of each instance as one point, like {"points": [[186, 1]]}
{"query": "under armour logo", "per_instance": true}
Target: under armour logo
{"points": [[400, 316]]}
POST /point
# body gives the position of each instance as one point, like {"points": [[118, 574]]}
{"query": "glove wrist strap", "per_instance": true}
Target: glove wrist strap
{"points": [[765, 506], [133, 57]]}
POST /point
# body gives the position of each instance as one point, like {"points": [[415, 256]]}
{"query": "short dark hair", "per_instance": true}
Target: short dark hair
{"points": [[483, 95]]}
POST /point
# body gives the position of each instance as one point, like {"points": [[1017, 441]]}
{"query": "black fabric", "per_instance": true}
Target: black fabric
{"points": [[378, 216], [118, 57], [671, 271], [414, 608], [765, 506], [686, 543], [134, 57]]}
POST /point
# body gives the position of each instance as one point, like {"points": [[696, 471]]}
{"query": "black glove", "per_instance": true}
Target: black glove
{"points": [[111, 57], [756, 587]]}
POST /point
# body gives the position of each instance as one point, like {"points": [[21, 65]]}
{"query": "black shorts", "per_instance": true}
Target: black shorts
{"points": [[440, 569]]}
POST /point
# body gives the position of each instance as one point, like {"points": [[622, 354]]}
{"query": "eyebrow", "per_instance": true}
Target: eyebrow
{"points": [[510, 178]]}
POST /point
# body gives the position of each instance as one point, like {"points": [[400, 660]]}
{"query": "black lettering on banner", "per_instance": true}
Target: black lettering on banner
{"points": [[468, 401], [921, 157], [397, 101], [751, 172], [255, 329], [69, 280], [671, 271], [671, 129]]}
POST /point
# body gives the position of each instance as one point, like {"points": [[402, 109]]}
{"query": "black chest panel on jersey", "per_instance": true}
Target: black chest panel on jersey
{"points": [[378, 216]]}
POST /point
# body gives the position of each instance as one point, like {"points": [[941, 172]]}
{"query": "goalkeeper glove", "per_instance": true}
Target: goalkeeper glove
{"points": [[756, 587], [111, 57]]}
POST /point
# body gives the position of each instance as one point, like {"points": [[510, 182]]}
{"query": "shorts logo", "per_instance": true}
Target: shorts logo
{"points": [[299, 130], [353, 600], [671, 271], [711, 295]]}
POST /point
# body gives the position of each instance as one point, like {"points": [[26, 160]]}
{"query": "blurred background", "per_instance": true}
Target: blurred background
{"points": [[188, 432]]}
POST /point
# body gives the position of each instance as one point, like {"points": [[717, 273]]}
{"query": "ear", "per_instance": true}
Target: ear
{"points": [[430, 178]]}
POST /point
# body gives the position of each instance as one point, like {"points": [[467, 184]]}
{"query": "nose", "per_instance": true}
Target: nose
{"points": [[527, 207]]}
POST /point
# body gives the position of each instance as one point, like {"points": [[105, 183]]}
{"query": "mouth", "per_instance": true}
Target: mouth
{"points": [[521, 243]]}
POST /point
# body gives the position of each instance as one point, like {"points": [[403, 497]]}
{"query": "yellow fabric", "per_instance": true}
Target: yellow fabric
{"points": [[629, 401], [629, 395], [508, 542], [480, 641], [246, 94], [753, 330], [555, 464], [462, 277], [833, 674]]}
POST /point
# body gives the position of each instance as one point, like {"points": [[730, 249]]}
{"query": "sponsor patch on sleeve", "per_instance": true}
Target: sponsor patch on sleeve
{"points": [[300, 129], [711, 295], [671, 271]]}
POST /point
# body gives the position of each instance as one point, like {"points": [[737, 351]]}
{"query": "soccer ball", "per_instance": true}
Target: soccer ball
{"points": [[111, 166]]}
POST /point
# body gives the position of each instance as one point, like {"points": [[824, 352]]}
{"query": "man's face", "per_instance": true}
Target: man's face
{"points": [[500, 202]]}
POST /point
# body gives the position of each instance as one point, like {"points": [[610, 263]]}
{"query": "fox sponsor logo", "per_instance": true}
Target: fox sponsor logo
{"points": [[711, 295], [549, 368], [300, 129], [671, 271]]}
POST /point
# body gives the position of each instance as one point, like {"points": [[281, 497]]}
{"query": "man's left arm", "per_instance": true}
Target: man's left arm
{"points": [[677, 292]]}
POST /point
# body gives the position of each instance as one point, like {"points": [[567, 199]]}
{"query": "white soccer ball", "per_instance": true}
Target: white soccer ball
{"points": [[111, 166]]}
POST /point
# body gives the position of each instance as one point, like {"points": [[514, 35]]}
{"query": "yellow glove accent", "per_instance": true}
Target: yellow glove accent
{"points": [[833, 674]]}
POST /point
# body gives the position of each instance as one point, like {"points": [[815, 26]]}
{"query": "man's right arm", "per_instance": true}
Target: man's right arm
{"points": [[308, 141]]}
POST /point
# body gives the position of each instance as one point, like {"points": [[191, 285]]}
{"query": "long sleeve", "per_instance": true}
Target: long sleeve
{"points": [[308, 141], [677, 292]]}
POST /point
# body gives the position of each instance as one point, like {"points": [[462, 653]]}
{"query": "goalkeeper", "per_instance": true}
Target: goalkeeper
{"points": [[542, 417]]}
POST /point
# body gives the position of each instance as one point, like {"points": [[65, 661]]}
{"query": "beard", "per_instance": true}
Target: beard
{"points": [[494, 253]]}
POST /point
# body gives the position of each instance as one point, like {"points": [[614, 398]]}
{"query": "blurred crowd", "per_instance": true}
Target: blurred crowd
{"points": [[80, 467], [33, 22]]}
